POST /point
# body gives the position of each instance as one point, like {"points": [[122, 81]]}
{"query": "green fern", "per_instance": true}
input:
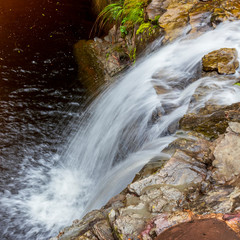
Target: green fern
{"points": [[111, 13], [133, 12], [143, 27]]}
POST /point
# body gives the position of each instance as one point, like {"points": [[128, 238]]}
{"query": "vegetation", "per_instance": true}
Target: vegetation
{"points": [[127, 15]]}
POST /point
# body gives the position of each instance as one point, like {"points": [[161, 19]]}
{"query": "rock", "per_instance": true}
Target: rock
{"points": [[174, 20], [143, 39], [226, 153], [199, 21], [213, 229], [181, 170], [222, 199], [79, 228], [225, 10], [92, 70], [211, 121], [87, 236], [223, 60], [196, 147], [217, 199], [98, 63], [154, 9], [128, 226], [162, 222], [103, 230], [234, 126]]}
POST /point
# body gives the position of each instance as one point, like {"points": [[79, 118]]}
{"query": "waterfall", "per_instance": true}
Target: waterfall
{"points": [[125, 127]]}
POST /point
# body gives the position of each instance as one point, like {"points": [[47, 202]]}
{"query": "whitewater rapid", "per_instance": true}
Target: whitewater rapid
{"points": [[118, 135]]}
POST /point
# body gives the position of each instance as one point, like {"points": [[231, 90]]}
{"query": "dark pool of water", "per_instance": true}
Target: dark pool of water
{"points": [[40, 95]]}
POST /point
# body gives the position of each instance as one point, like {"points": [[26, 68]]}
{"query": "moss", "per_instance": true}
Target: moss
{"points": [[143, 27], [92, 73]]}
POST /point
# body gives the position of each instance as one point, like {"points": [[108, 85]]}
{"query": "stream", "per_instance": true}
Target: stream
{"points": [[59, 160]]}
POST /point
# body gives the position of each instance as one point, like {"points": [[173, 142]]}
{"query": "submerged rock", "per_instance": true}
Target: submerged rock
{"points": [[224, 61]]}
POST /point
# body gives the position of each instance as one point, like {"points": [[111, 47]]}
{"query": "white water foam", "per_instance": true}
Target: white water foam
{"points": [[118, 135]]}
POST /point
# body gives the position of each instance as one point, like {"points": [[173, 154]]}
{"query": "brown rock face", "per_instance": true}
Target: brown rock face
{"points": [[199, 230], [226, 153], [174, 20], [155, 9], [224, 61], [98, 62], [211, 122]]}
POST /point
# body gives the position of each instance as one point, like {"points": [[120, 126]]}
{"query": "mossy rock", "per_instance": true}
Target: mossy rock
{"points": [[211, 123], [91, 70]]}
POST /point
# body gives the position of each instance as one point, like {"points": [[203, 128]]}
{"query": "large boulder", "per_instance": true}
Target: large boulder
{"points": [[224, 61]]}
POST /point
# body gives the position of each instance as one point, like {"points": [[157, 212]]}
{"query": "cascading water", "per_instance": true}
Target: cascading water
{"points": [[124, 128]]}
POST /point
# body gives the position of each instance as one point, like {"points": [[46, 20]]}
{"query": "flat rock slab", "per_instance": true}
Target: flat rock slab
{"points": [[207, 229]]}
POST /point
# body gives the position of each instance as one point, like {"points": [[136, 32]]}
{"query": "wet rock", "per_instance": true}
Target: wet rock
{"points": [[92, 72], [196, 147], [128, 226], [211, 122], [225, 10], [79, 228], [151, 167], [218, 199], [162, 222], [181, 170], [213, 229], [155, 8], [165, 222], [226, 153], [222, 199], [223, 60], [174, 20], [199, 21], [115, 202], [98, 62], [103, 230], [143, 39], [87, 236]]}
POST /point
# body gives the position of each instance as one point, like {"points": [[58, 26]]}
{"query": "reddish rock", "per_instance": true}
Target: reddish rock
{"points": [[207, 229]]}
